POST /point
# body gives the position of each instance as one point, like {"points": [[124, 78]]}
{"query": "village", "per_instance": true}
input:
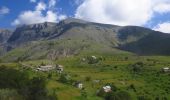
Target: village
{"points": [[46, 68], [60, 72]]}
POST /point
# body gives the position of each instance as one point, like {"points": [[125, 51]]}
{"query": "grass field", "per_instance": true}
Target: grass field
{"points": [[148, 82]]}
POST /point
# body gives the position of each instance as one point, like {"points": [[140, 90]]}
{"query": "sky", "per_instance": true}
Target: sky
{"points": [[154, 14]]}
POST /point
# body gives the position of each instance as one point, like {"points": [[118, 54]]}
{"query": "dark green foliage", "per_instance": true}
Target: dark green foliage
{"points": [[37, 89], [49, 76], [88, 78], [120, 95], [132, 87], [29, 89], [112, 96], [144, 98], [84, 94], [42, 64], [9, 94], [65, 78], [123, 95], [126, 58], [137, 67], [11, 78], [101, 93], [92, 60]]}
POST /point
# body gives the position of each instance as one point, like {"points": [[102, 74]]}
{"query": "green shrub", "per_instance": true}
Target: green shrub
{"points": [[88, 78], [9, 94], [91, 60], [29, 89], [64, 78], [121, 95]]}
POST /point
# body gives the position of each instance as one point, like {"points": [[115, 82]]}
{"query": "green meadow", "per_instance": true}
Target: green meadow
{"points": [[141, 77]]}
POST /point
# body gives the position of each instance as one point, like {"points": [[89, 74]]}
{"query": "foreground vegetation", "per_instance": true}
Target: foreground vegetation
{"points": [[131, 77]]}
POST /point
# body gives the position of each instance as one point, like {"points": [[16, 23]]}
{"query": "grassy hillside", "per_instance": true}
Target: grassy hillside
{"points": [[55, 49], [155, 43], [147, 81]]}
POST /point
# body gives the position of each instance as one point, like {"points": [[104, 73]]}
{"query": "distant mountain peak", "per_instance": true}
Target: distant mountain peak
{"points": [[4, 35], [38, 25], [70, 20]]}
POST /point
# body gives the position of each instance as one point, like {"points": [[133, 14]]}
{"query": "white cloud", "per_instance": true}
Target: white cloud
{"points": [[163, 27], [62, 17], [162, 8], [41, 6], [52, 3], [51, 16], [41, 14], [120, 12], [30, 17], [33, 1], [4, 10]]}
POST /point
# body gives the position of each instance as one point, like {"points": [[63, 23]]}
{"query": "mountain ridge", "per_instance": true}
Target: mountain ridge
{"points": [[73, 36]]}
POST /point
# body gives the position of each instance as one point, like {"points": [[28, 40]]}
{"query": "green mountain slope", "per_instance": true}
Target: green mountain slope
{"points": [[73, 37]]}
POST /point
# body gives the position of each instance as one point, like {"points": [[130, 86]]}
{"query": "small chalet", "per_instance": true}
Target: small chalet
{"points": [[166, 69], [79, 85], [60, 68], [94, 57], [107, 88], [83, 59]]}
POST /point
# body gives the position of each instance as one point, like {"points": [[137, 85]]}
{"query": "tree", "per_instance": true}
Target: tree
{"points": [[120, 95], [64, 78], [88, 78], [123, 95], [137, 67], [20, 84], [84, 94], [92, 60]]}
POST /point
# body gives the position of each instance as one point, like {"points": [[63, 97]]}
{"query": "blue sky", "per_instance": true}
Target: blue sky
{"points": [[153, 14]]}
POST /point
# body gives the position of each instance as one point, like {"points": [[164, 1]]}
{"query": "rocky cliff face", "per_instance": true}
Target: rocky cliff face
{"points": [[4, 35]]}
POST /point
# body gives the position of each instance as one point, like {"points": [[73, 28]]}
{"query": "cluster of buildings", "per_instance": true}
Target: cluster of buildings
{"points": [[45, 68]]}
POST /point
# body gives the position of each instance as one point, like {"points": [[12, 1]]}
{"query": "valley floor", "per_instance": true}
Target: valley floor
{"points": [[139, 77]]}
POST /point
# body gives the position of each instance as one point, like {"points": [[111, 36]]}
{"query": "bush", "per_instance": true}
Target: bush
{"points": [[91, 60], [9, 94], [101, 93], [131, 86], [29, 89], [49, 76], [88, 78], [64, 78], [121, 95], [84, 94], [137, 67]]}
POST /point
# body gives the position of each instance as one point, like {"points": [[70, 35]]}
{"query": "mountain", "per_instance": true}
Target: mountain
{"points": [[154, 43], [74, 36], [32, 32], [4, 35]]}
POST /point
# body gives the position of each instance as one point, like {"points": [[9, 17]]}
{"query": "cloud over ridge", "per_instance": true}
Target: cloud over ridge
{"points": [[121, 12], [42, 13]]}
